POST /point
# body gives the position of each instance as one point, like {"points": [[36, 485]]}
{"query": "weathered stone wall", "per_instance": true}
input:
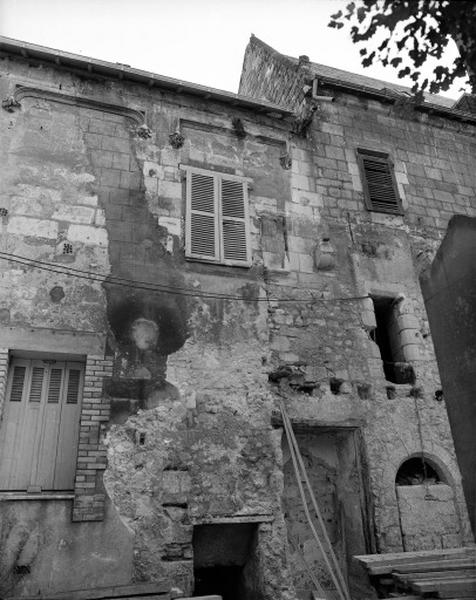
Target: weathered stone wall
{"points": [[334, 472], [42, 550], [427, 517], [202, 353], [368, 252], [190, 439]]}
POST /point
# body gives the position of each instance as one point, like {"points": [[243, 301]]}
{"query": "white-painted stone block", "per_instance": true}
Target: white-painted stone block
{"points": [[74, 214], [172, 224], [26, 226], [88, 200], [151, 184], [411, 352], [100, 219], [170, 189], [356, 182], [409, 336], [306, 263], [85, 234]]}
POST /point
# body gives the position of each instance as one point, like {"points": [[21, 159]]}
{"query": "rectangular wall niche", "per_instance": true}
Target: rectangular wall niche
{"points": [[332, 460], [224, 560]]}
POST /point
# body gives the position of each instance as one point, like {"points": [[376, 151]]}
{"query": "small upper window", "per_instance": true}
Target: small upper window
{"points": [[387, 336], [217, 223], [380, 187]]}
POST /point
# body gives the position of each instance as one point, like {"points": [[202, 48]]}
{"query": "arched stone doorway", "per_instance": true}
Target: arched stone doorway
{"points": [[426, 505]]}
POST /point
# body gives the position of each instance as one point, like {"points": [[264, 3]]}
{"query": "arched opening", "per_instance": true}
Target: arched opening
{"points": [[426, 508], [418, 470]]}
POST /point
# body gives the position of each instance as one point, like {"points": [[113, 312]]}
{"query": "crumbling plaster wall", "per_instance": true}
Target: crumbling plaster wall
{"points": [[433, 160], [194, 442], [49, 196], [191, 438]]}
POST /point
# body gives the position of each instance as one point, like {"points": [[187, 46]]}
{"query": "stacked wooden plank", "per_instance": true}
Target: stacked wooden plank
{"points": [[448, 574], [136, 591], [159, 590]]}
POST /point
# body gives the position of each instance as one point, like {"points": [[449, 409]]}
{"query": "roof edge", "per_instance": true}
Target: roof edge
{"points": [[60, 58]]}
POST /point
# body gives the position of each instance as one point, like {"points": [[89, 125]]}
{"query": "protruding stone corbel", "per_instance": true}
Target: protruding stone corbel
{"points": [[285, 159], [239, 128], [144, 132], [307, 108], [303, 116], [10, 104], [177, 139]]}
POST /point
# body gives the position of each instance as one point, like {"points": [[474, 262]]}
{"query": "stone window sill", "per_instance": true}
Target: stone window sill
{"points": [[5, 496]]}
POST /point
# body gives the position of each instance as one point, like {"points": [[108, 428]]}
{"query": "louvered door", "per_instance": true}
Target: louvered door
{"points": [[39, 430], [234, 222], [380, 188]]}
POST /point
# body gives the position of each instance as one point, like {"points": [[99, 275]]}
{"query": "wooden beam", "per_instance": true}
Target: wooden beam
{"points": [[381, 564], [410, 577], [436, 565], [157, 590], [445, 586]]}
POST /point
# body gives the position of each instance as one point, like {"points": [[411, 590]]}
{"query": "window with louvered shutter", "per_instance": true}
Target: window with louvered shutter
{"points": [[380, 187], [203, 216], [217, 225]]}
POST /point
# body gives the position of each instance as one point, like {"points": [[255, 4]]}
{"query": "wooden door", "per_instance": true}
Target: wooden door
{"points": [[40, 425]]}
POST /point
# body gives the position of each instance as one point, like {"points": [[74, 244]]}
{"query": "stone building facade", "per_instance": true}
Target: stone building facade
{"points": [[176, 261]]}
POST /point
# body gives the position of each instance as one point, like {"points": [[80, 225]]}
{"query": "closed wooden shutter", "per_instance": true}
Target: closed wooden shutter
{"points": [[202, 217], [234, 222], [217, 222], [380, 188], [68, 434], [40, 427], [18, 380]]}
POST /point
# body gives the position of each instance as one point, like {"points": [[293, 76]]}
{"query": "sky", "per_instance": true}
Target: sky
{"points": [[200, 41]]}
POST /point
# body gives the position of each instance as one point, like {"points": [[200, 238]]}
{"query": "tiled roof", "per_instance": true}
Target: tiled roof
{"points": [[354, 80], [377, 84]]}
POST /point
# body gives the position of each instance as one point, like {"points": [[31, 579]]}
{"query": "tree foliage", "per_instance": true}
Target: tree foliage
{"points": [[408, 34]]}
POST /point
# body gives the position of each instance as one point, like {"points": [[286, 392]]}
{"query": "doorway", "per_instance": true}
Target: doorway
{"points": [[225, 560]]}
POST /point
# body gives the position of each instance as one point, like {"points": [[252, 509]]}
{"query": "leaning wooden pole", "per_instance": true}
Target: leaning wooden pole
{"points": [[294, 451], [315, 505]]}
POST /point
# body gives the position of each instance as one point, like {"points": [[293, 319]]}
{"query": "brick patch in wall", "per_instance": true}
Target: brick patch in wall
{"points": [[89, 496]]}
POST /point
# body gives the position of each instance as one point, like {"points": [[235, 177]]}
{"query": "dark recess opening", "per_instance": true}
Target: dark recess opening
{"points": [[224, 581], [224, 558], [416, 471], [386, 336]]}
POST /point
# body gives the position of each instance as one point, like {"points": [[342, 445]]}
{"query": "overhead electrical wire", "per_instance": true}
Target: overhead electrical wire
{"points": [[159, 288]]}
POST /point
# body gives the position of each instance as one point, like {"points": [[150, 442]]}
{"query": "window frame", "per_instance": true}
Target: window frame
{"points": [[385, 159], [219, 218]]}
